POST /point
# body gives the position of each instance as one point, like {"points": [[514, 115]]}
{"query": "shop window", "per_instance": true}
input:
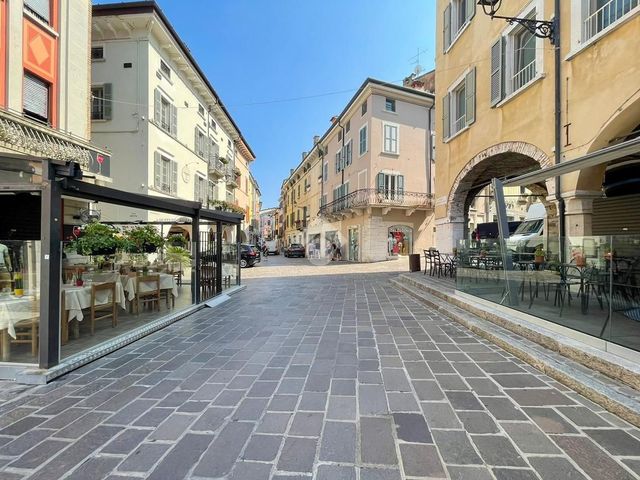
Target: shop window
{"points": [[399, 240], [36, 98]]}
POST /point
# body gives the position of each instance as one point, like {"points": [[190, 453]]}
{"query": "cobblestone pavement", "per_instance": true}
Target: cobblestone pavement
{"points": [[335, 377]]}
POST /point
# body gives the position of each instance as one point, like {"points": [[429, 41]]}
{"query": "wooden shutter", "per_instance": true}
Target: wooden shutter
{"points": [[496, 72], [400, 180], [36, 96], [471, 9], [107, 95], [174, 120], [380, 182], [446, 124], [447, 27], [157, 106], [470, 99], [174, 177], [157, 170]]}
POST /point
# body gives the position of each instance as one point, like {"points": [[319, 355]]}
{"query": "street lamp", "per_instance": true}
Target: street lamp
{"points": [[539, 28]]}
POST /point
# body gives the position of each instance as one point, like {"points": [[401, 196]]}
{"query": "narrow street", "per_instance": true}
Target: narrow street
{"points": [[321, 372]]}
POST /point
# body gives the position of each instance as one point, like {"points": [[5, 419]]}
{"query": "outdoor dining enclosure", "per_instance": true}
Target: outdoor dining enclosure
{"points": [[83, 265]]}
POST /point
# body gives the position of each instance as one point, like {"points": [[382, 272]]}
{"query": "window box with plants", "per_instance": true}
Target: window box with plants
{"points": [[226, 206], [144, 239]]}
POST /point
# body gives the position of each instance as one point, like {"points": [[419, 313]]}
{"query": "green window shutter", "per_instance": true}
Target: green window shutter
{"points": [[157, 170], [446, 124], [174, 120], [196, 142], [363, 140], [471, 9], [108, 95], [496, 72], [174, 177], [447, 27], [470, 100], [380, 182], [400, 180], [157, 106]]}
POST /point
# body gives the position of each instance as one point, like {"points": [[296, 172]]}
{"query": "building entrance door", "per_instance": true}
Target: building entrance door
{"points": [[354, 245]]}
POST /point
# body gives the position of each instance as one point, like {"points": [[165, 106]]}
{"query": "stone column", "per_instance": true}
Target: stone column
{"points": [[448, 233], [579, 212]]}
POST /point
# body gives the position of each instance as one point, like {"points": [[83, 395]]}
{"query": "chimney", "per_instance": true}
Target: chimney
{"points": [[304, 154], [316, 139], [290, 171], [334, 119]]}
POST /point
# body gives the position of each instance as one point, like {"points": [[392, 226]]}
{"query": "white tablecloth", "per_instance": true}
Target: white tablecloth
{"points": [[167, 282], [14, 310], [78, 298]]}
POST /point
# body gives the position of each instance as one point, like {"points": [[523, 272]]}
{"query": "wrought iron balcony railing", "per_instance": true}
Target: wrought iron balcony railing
{"points": [[371, 197]]}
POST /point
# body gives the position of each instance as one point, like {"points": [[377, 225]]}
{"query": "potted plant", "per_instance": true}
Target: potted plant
{"points": [[539, 255], [97, 239], [144, 239], [177, 240], [79, 280], [18, 287], [577, 254]]}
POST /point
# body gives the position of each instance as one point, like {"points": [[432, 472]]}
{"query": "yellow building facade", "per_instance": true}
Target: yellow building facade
{"points": [[495, 89]]}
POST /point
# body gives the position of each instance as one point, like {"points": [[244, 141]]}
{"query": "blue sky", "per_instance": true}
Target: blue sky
{"points": [[261, 50]]}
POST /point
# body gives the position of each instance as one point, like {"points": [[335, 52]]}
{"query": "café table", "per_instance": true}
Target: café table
{"points": [[75, 299], [14, 310], [167, 282]]}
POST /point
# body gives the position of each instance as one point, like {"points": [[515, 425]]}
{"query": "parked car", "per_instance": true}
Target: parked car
{"points": [[294, 250], [248, 256], [258, 254]]}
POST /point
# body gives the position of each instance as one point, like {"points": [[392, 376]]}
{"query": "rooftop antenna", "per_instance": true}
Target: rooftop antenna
{"points": [[416, 61]]}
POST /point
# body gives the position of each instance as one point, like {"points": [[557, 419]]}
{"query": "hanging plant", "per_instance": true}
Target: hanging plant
{"points": [[177, 240], [144, 239], [96, 238]]}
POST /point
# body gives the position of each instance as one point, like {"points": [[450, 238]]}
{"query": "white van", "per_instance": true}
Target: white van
{"points": [[272, 247], [530, 233]]}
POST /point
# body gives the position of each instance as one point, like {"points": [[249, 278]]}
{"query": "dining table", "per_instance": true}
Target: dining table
{"points": [[13, 310], [130, 284], [78, 298]]}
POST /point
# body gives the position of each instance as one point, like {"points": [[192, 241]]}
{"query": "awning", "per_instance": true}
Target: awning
{"points": [[605, 155]]}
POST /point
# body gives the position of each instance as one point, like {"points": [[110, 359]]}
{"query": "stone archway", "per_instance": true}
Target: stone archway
{"points": [[498, 161]]}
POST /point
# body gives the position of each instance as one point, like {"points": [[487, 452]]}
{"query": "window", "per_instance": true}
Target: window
{"points": [[165, 113], [200, 143], [165, 174], [101, 102], [599, 14], [35, 98], [201, 187], [363, 109], [39, 8], [340, 135], [213, 125], [348, 126], [515, 61], [390, 105], [363, 140], [344, 157], [97, 53], [339, 165], [390, 139], [389, 186], [164, 68], [298, 190], [457, 14], [212, 191], [325, 172], [201, 109], [459, 105]]}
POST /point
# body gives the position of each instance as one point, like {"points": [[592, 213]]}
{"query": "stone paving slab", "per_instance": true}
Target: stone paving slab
{"points": [[347, 378]]}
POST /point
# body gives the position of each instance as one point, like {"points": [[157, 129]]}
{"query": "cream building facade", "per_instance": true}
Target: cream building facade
{"points": [[169, 131], [366, 184], [495, 87]]}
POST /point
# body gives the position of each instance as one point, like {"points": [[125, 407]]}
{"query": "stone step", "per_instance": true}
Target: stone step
{"points": [[558, 363]]}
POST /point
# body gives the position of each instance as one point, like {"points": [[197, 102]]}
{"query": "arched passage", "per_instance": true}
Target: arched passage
{"points": [[506, 159]]}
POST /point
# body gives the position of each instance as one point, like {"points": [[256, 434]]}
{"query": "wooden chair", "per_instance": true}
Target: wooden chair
{"points": [[149, 297], [27, 332], [110, 307]]}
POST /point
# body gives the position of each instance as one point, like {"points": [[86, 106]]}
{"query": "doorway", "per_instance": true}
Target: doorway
{"points": [[354, 245]]}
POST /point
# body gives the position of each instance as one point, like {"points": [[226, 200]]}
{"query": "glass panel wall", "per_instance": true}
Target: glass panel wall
{"points": [[593, 288], [230, 254], [122, 267]]}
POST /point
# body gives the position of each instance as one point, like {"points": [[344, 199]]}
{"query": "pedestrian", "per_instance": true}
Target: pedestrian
{"points": [[338, 252], [333, 252]]}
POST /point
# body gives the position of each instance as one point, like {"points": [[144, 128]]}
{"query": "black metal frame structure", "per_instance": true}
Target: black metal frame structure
{"points": [[539, 28], [52, 190]]}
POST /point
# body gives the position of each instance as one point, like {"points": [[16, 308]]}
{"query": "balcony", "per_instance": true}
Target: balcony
{"points": [[232, 178], [216, 167], [355, 202], [301, 224]]}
